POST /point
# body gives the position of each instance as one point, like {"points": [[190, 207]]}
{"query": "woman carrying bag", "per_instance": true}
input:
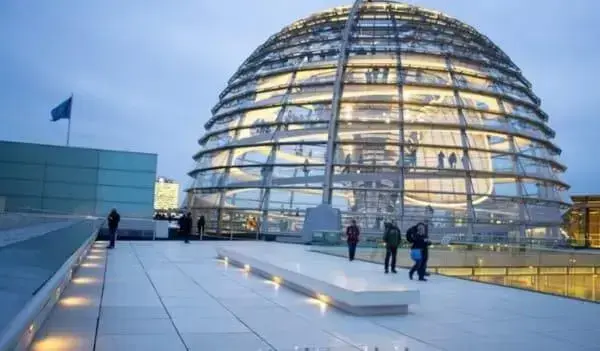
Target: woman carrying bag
{"points": [[419, 243]]}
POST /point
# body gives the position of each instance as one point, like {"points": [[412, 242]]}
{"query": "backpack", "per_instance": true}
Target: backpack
{"points": [[411, 233]]}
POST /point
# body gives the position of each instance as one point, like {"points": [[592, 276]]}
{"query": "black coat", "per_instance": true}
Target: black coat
{"points": [[113, 220], [185, 225], [419, 242]]}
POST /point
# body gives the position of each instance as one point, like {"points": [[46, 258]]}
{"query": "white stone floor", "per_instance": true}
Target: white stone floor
{"points": [[172, 296]]}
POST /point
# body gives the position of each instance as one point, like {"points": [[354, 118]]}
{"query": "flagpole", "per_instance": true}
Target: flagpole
{"points": [[69, 132], [69, 126], [63, 111]]}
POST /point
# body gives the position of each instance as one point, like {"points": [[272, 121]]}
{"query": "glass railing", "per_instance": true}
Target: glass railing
{"points": [[455, 236], [33, 247], [566, 273], [327, 238]]}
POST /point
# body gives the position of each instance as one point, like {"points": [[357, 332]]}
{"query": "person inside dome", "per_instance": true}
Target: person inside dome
{"points": [[441, 159], [452, 160]]}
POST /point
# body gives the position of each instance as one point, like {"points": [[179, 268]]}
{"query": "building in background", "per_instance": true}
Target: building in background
{"points": [[166, 195], [381, 110], [74, 180], [582, 222]]}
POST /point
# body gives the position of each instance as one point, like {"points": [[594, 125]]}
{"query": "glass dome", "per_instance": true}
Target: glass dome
{"points": [[386, 111]]}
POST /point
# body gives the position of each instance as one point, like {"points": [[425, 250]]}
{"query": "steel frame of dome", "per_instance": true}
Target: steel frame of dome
{"points": [[386, 111]]}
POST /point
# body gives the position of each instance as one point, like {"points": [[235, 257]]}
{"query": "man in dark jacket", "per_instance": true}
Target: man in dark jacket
{"points": [[185, 226], [201, 222], [113, 224], [352, 233], [392, 239]]}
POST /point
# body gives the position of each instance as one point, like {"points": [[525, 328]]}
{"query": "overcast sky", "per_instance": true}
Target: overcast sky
{"points": [[145, 73]]}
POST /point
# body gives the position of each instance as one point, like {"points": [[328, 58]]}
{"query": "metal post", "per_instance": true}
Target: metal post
{"points": [[225, 177], [465, 148], [515, 168], [336, 101], [69, 131], [401, 141], [69, 123]]}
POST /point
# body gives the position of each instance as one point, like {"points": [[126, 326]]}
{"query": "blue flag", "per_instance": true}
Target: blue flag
{"points": [[62, 111]]}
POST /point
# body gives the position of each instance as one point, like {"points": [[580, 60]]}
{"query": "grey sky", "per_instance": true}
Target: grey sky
{"points": [[145, 73]]}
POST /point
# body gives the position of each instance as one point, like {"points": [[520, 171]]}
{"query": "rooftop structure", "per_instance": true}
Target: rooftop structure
{"points": [[170, 296], [158, 295], [75, 180], [383, 111], [582, 222]]}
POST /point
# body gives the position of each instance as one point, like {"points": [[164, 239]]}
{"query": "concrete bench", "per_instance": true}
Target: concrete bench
{"points": [[329, 279]]}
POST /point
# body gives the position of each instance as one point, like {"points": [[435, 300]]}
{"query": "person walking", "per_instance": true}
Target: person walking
{"points": [[113, 224], [200, 224], [352, 234], [419, 243], [391, 238], [185, 226]]}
